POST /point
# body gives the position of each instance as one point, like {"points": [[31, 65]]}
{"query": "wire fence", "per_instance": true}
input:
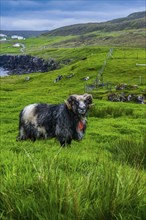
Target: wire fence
{"points": [[99, 79]]}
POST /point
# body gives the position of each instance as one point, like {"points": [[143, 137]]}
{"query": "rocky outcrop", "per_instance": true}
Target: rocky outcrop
{"points": [[24, 64]]}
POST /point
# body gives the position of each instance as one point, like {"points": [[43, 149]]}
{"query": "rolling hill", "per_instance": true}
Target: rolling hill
{"points": [[128, 31], [135, 20]]}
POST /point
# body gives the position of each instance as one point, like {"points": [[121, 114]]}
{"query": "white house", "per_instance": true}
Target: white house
{"points": [[16, 37]]}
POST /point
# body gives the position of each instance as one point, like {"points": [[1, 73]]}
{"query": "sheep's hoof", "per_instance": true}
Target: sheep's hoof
{"points": [[19, 138], [62, 144]]}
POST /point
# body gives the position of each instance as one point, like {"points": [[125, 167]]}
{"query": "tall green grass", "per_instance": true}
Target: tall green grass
{"points": [[61, 188], [131, 151]]}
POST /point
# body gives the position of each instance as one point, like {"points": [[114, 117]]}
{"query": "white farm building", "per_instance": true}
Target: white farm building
{"points": [[16, 37], [3, 37]]}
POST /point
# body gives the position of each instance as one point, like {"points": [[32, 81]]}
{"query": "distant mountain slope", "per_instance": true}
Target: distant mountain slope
{"points": [[133, 16], [135, 20], [23, 33]]}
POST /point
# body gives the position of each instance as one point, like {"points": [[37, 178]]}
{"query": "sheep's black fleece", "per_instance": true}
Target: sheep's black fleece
{"points": [[66, 122]]}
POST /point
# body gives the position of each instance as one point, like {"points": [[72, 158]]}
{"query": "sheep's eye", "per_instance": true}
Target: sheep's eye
{"points": [[77, 103]]}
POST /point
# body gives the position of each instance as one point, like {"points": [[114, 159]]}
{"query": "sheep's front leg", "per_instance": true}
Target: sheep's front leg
{"points": [[63, 143], [63, 134]]}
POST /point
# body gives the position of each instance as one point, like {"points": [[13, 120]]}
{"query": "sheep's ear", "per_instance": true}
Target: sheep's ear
{"points": [[68, 104], [70, 101]]}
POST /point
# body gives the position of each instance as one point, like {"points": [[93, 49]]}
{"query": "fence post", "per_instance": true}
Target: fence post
{"points": [[140, 80]]}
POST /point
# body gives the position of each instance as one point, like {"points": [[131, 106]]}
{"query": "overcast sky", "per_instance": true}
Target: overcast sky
{"points": [[51, 14]]}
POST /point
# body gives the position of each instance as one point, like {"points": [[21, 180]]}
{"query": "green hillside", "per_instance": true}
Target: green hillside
{"points": [[128, 31], [132, 38], [101, 177]]}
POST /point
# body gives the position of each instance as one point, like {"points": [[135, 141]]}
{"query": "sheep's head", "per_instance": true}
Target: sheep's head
{"points": [[79, 104]]}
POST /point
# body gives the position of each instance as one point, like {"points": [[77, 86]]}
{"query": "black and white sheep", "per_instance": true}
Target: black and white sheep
{"points": [[66, 121]]}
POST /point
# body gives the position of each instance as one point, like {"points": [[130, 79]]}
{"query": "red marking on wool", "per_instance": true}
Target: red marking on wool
{"points": [[80, 126]]}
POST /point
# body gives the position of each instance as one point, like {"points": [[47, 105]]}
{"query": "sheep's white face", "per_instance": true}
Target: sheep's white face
{"points": [[79, 103]]}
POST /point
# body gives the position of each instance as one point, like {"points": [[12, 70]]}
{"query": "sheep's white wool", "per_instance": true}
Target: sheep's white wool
{"points": [[28, 113], [42, 130], [22, 132]]}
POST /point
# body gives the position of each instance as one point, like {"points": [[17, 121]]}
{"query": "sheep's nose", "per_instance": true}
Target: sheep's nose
{"points": [[82, 108]]}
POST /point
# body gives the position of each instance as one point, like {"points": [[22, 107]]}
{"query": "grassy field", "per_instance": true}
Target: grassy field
{"points": [[44, 43], [103, 176]]}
